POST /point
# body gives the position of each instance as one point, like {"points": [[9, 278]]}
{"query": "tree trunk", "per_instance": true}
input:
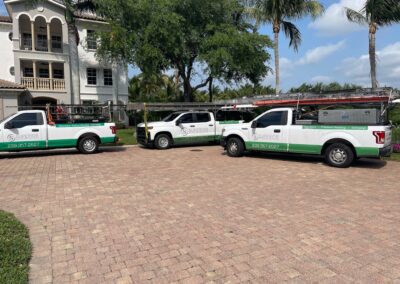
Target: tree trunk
{"points": [[210, 89], [276, 52], [372, 55], [187, 91], [74, 64]]}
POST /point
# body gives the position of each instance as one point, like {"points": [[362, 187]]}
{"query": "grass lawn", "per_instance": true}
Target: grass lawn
{"points": [[15, 250], [394, 157], [126, 136]]}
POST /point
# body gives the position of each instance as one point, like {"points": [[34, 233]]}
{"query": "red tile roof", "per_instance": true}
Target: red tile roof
{"points": [[10, 85]]}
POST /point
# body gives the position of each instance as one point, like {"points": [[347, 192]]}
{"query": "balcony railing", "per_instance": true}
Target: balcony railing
{"points": [[45, 84]]}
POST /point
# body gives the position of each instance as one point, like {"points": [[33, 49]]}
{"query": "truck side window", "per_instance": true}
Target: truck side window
{"points": [[186, 118], [27, 119], [202, 117], [272, 118]]}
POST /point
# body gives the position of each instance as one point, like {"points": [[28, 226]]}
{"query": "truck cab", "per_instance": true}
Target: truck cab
{"points": [[280, 130], [189, 127], [30, 130]]}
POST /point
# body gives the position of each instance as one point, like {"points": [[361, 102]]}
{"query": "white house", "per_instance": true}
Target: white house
{"points": [[35, 54]]}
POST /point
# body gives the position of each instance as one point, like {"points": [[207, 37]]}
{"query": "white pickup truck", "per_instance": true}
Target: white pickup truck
{"points": [[29, 130], [191, 127], [277, 131]]}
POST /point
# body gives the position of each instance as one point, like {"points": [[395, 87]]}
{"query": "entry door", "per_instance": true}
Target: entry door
{"points": [[271, 133], [24, 131]]}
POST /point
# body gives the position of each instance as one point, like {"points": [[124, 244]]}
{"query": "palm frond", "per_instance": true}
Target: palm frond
{"points": [[293, 33], [356, 17], [314, 8]]}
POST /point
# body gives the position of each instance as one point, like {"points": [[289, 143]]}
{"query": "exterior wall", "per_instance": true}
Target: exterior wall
{"points": [[6, 51], [8, 103], [46, 12], [87, 59]]}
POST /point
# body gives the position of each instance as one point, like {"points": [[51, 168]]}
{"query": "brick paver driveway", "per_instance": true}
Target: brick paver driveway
{"points": [[193, 215]]}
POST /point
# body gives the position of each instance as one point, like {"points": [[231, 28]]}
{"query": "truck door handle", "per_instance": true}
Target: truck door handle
{"points": [[192, 125], [277, 131], [35, 130], [211, 125]]}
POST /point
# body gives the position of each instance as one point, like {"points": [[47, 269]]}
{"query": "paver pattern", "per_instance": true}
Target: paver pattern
{"points": [[194, 215]]}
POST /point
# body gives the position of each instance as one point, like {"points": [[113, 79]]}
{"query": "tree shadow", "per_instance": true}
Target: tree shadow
{"points": [[369, 163], [55, 152]]}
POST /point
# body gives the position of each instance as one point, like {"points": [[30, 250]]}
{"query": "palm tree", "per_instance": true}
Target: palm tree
{"points": [[73, 8], [375, 14], [277, 13]]}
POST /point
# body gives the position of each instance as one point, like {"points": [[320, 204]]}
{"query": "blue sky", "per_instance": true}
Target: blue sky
{"points": [[333, 50]]}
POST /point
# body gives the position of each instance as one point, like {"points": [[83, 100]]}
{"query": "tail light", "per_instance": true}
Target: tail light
{"points": [[113, 129], [379, 137]]}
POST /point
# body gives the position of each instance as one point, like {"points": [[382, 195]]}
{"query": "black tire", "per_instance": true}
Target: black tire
{"points": [[235, 147], [339, 155], [162, 142], [88, 145]]}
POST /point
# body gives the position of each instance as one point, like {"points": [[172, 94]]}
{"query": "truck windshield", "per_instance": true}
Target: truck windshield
{"points": [[4, 119], [172, 116]]}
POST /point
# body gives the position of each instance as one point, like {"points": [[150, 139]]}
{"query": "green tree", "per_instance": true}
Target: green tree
{"points": [[153, 88], [278, 13], [73, 8], [160, 35], [375, 14], [322, 88]]}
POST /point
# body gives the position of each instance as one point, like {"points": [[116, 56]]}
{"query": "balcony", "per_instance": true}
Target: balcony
{"points": [[43, 84], [43, 76], [40, 35]]}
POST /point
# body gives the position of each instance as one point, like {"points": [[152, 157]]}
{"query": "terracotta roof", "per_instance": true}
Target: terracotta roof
{"points": [[5, 19], [10, 85], [89, 16]]}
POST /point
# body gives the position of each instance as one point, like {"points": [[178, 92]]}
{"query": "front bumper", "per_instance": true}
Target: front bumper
{"points": [[386, 151], [141, 137]]}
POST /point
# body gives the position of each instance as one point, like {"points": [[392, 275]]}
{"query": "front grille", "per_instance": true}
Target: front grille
{"points": [[141, 135]]}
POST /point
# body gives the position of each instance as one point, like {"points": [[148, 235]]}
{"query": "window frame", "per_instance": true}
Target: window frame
{"points": [[186, 114], [109, 79], [24, 72], [56, 39], [204, 113], [284, 119], [90, 77], [91, 40], [39, 120]]}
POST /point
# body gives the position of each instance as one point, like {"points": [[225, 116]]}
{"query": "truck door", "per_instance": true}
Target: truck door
{"points": [[25, 131], [205, 127], [271, 132], [194, 128]]}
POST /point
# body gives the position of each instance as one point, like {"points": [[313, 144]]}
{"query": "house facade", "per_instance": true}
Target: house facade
{"points": [[34, 48]]}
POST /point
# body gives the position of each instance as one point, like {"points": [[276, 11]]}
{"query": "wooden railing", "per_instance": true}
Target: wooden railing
{"points": [[43, 83]]}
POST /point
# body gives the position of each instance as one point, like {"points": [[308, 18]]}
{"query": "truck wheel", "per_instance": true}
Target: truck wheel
{"points": [[339, 155], [163, 142], [235, 147], [88, 145]]}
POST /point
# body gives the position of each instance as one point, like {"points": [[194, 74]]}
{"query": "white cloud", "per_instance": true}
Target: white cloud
{"points": [[321, 79], [334, 21], [317, 54], [388, 70]]}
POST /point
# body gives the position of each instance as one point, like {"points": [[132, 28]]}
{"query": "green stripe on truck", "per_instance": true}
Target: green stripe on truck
{"points": [[22, 145], [195, 139], [336, 127], [304, 148], [79, 125]]}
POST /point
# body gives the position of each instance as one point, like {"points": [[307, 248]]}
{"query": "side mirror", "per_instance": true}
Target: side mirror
{"points": [[177, 123], [8, 125], [254, 124]]}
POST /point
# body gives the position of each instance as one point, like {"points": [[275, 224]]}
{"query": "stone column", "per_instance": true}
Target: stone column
{"points": [[33, 35], [51, 75], [34, 75], [48, 38]]}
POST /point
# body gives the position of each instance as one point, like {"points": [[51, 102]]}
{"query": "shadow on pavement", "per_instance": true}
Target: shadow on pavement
{"points": [[55, 152], [312, 159]]}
